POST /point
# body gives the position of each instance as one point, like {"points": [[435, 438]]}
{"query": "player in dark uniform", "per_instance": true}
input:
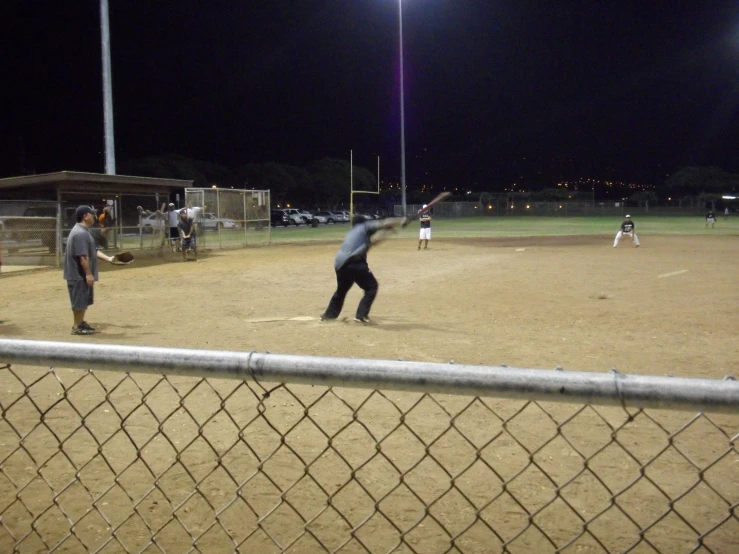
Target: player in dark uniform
{"points": [[425, 234], [351, 266], [710, 218], [627, 229]]}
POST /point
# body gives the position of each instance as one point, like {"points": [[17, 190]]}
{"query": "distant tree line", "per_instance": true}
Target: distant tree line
{"points": [[325, 182]]}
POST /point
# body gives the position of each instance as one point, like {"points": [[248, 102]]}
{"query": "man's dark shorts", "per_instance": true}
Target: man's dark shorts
{"points": [[174, 233], [80, 295], [188, 244]]}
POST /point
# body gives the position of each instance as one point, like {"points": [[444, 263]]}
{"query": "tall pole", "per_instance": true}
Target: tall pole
{"points": [[402, 109], [107, 89], [351, 187]]}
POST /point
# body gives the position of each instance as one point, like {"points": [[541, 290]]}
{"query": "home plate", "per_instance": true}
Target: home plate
{"points": [[672, 274], [271, 319], [520, 250]]}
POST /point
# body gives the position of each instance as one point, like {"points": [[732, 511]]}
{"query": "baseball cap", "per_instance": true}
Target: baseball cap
{"points": [[425, 205], [628, 216], [171, 205], [81, 211]]}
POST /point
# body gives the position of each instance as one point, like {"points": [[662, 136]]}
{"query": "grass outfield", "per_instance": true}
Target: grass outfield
{"points": [[475, 227], [489, 227]]}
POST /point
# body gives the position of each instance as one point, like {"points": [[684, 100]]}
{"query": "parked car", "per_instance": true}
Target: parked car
{"points": [[329, 217], [278, 217], [341, 217], [152, 222], [209, 221], [298, 217], [323, 217]]}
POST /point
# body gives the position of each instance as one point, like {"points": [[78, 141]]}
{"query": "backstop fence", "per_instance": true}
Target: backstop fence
{"points": [[231, 218], [140, 449]]}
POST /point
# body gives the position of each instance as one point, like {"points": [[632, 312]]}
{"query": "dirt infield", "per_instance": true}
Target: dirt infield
{"points": [[572, 301], [668, 308]]}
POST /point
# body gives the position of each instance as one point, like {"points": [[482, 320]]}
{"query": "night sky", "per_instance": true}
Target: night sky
{"points": [[496, 91]]}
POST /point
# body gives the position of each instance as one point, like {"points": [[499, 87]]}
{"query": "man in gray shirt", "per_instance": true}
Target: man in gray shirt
{"points": [[81, 268], [351, 266]]}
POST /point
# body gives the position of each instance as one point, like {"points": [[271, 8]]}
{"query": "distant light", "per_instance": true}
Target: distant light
{"points": [[214, 186], [560, 207], [527, 206], [729, 197], [490, 206]]}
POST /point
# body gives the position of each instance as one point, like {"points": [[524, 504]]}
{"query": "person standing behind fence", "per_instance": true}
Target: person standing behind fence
{"points": [[711, 218], [425, 234], [81, 268], [726, 213], [173, 220], [627, 229], [188, 235]]}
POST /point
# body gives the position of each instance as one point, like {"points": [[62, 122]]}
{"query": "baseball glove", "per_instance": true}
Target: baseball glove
{"points": [[122, 258]]}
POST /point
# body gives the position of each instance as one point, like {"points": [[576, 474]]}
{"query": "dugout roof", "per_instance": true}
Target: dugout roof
{"points": [[47, 185]]}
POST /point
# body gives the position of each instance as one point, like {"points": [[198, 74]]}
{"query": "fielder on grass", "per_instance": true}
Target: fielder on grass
{"points": [[425, 234], [711, 218], [627, 230]]}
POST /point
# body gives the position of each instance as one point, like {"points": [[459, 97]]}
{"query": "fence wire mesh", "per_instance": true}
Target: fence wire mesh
{"points": [[231, 218], [121, 462]]}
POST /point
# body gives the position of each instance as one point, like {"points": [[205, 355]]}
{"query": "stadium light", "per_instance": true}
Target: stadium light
{"points": [[402, 109]]}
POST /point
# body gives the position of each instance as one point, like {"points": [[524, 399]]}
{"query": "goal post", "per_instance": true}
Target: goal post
{"points": [[352, 192]]}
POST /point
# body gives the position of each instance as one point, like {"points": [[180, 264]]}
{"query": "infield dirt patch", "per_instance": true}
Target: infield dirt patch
{"points": [[667, 308]]}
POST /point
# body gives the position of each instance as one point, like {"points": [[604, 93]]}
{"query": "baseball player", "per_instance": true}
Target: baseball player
{"points": [[351, 266], [186, 229], [710, 218], [81, 268], [425, 234], [627, 229]]}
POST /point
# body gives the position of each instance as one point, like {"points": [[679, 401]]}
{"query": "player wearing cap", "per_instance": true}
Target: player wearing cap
{"points": [[187, 230], [710, 218], [627, 229], [425, 234], [81, 268], [351, 266]]}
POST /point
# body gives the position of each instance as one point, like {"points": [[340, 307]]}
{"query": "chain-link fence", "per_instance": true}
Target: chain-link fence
{"points": [[353, 455], [35, 232], [231, 218], [494, 205]]}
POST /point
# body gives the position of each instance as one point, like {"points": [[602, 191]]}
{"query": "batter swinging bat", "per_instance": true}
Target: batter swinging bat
{"points": [[434, 202]]}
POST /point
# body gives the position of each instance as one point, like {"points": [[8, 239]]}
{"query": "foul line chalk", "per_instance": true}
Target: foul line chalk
{"points": [[272, 319], [672, 273]]}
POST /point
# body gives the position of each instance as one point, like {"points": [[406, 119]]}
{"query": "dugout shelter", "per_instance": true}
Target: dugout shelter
{"points": [[37, 211]]}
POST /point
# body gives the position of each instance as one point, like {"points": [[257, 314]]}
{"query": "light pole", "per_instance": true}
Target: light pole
{"points": [[107, 89], [402, 110]]}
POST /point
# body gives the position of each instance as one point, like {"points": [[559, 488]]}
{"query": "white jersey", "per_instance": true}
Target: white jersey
{"points": [[193, 213]]}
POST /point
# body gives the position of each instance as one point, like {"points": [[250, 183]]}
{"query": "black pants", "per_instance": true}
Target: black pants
{"points": [[353, 272]]}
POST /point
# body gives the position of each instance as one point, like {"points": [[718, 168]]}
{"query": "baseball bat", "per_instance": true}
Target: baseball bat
{"points": [[435, 201]]}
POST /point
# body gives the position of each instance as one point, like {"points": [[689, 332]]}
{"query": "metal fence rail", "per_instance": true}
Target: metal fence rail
{"points": [[175, 450]]}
